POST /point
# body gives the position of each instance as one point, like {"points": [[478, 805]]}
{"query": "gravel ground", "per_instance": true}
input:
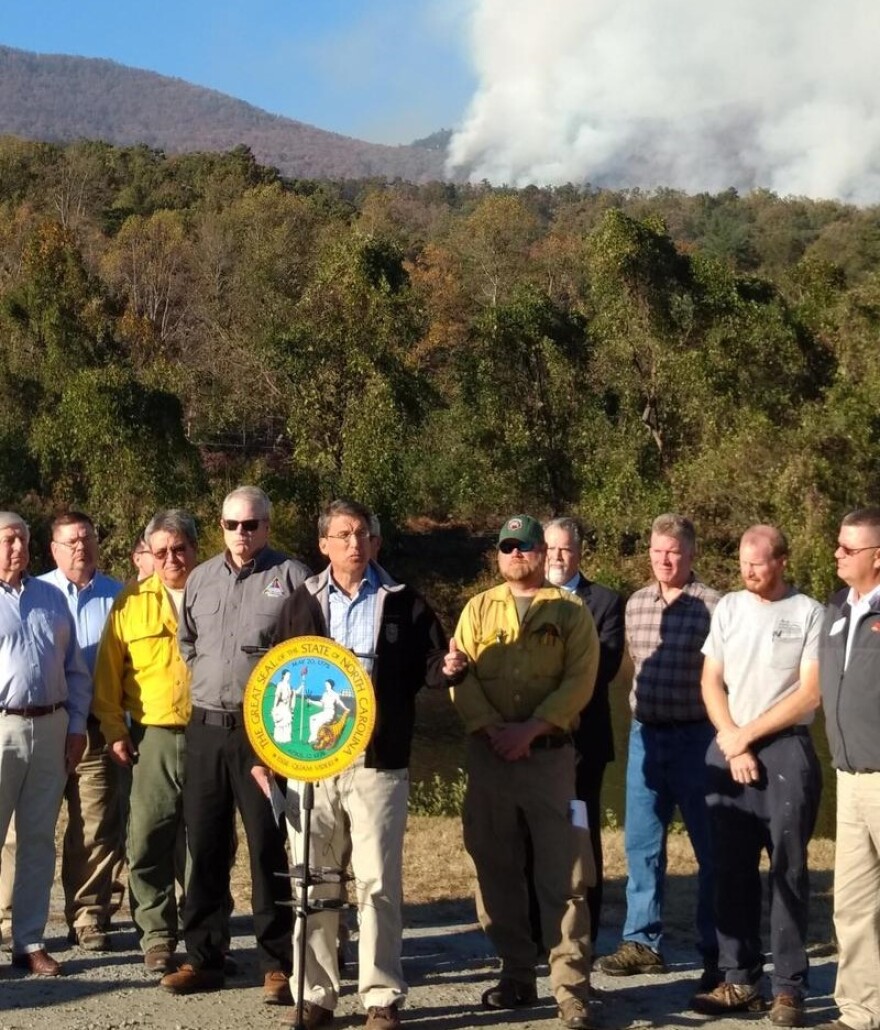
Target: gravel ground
{"points": [[448, 964]]}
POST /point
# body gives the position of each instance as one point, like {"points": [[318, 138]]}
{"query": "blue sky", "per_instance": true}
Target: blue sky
{"points": [[387, 71]]}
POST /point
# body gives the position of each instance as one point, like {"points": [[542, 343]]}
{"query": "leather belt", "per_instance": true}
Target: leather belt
{"points": [[551, 741], [226, 720], [34, 712]]}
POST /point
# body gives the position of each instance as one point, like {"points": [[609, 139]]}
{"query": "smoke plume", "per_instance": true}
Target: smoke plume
{"points": [[692, 94]]}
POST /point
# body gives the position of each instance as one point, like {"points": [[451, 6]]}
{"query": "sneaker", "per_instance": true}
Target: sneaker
{"points": [[787, 1010], [189, 980], [574, 1014], [89, 938], [313, 1017], [159, 958], [728, 998], [510, 994], [383, 1017], [631, 959], [276, 988]]}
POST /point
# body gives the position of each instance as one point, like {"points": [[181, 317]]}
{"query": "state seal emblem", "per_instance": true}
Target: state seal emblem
{"points": [[309, 708]]}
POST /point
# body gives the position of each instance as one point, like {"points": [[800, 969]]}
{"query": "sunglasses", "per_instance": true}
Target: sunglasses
{"points": [[247, 525], [523, 546], [177, 551]]}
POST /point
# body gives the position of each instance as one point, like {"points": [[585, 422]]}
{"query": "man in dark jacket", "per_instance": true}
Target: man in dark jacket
{"points": [[362, 810], [849, 676], [593, 738]]}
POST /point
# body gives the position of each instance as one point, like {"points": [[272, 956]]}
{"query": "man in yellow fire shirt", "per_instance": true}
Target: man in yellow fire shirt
{"points": [[141, 679]]}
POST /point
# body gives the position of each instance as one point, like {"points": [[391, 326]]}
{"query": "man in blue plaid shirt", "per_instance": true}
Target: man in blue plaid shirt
{"points": [[667, 623]]}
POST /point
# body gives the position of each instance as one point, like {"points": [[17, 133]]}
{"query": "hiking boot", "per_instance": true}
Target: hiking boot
{"points": [[631, 959], [574, 1014], [89, 938], [510, 994], [159, 958], [787, 1010], [189, 980], [383, 1017], [728, 998]]}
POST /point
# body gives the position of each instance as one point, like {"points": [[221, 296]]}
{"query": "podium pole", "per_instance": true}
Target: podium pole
{"points": [[307, 802]]}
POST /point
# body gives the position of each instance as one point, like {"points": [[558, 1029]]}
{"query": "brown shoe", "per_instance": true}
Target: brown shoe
{"points": [[383, 1017], [276, 988], [189, 980], [159, 958], [728, 998], [40, 963], [574, 1014], [313, 1016], [787, 1010]]}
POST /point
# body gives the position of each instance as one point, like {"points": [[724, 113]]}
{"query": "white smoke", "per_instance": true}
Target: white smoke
{"points": [[692, 94]]}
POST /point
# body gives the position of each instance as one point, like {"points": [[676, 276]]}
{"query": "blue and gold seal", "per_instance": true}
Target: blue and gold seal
{"points": [[309, 708]]}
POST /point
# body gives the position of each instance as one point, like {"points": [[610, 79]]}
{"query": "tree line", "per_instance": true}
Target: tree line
{"points": [[171, 326]]}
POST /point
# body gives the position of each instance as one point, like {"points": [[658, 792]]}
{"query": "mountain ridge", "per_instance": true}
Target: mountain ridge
{"points": [[59, 98]]}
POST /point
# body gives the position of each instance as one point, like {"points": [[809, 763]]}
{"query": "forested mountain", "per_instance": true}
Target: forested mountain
{"points": [[59, 99], [170, 326]]}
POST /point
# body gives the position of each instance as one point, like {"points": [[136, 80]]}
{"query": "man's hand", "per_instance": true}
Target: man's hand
{"points": [[733, 742], [74, 747], [455, 662], [123, 752], [513, 740], [263, 779], [744, 768]]}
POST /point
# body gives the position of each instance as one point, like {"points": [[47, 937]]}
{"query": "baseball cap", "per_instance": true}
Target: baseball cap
{"points": [[522, 527]]}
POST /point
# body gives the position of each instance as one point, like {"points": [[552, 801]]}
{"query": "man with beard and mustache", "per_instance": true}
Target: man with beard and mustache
{"points": [[761, 687], [523, 664]]}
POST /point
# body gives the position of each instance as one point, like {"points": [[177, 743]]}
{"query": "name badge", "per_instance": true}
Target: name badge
{"points": [[837, 628]]}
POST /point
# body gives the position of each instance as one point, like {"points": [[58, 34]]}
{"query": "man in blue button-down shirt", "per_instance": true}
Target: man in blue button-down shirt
{"points": [[95, 837], [45, 693]]}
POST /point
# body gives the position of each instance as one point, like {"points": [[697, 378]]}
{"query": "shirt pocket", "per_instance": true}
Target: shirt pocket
{"points": [[786, 652], [149, 647]]}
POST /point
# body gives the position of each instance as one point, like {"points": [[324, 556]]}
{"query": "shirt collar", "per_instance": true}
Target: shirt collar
{"points": [[572, 584], [866, 600], [371, 581]]}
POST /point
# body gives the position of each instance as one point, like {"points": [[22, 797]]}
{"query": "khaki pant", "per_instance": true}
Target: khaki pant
{"points": [[94, 839], [857, 899], [7, 876], [364, 810], [504, 801], [32, 778]]}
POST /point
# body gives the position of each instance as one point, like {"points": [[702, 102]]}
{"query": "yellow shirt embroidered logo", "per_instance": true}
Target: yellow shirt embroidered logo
{"points": [[309, 708]]}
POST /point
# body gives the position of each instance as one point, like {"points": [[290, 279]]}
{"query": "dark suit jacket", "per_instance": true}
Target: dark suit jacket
{"points": [[593, 736]]}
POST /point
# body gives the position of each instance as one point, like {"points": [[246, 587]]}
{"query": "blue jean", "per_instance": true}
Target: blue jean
{"points": [[666, 767]]}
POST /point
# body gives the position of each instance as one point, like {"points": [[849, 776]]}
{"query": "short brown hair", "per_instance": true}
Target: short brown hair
{"points": [[343, 506], [677, 526], [863, 517]]}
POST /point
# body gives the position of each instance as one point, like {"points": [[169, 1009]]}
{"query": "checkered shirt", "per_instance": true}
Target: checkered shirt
{"points": [[665, 642], [353, 619]]}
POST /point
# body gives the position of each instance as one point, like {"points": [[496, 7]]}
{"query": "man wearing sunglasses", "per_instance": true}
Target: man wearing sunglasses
{"points": [[849, 676], [232, 603], [524, 661]]}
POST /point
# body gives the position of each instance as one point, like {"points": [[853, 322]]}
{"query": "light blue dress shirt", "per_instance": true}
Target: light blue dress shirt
{"points": [[40, 660], [89, 607], [353, 619]]}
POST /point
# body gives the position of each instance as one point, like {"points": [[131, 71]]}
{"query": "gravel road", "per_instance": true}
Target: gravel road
{"points": [[448, 964]]}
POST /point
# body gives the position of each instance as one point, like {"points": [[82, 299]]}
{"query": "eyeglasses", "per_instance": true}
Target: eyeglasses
{"points": [[850, 551], [247, 525], [523, 546], [350, 534], [80, 541], [176, 551]]}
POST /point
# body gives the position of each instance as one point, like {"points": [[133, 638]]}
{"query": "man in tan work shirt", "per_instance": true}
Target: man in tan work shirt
{"points": [[523, 664]]}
